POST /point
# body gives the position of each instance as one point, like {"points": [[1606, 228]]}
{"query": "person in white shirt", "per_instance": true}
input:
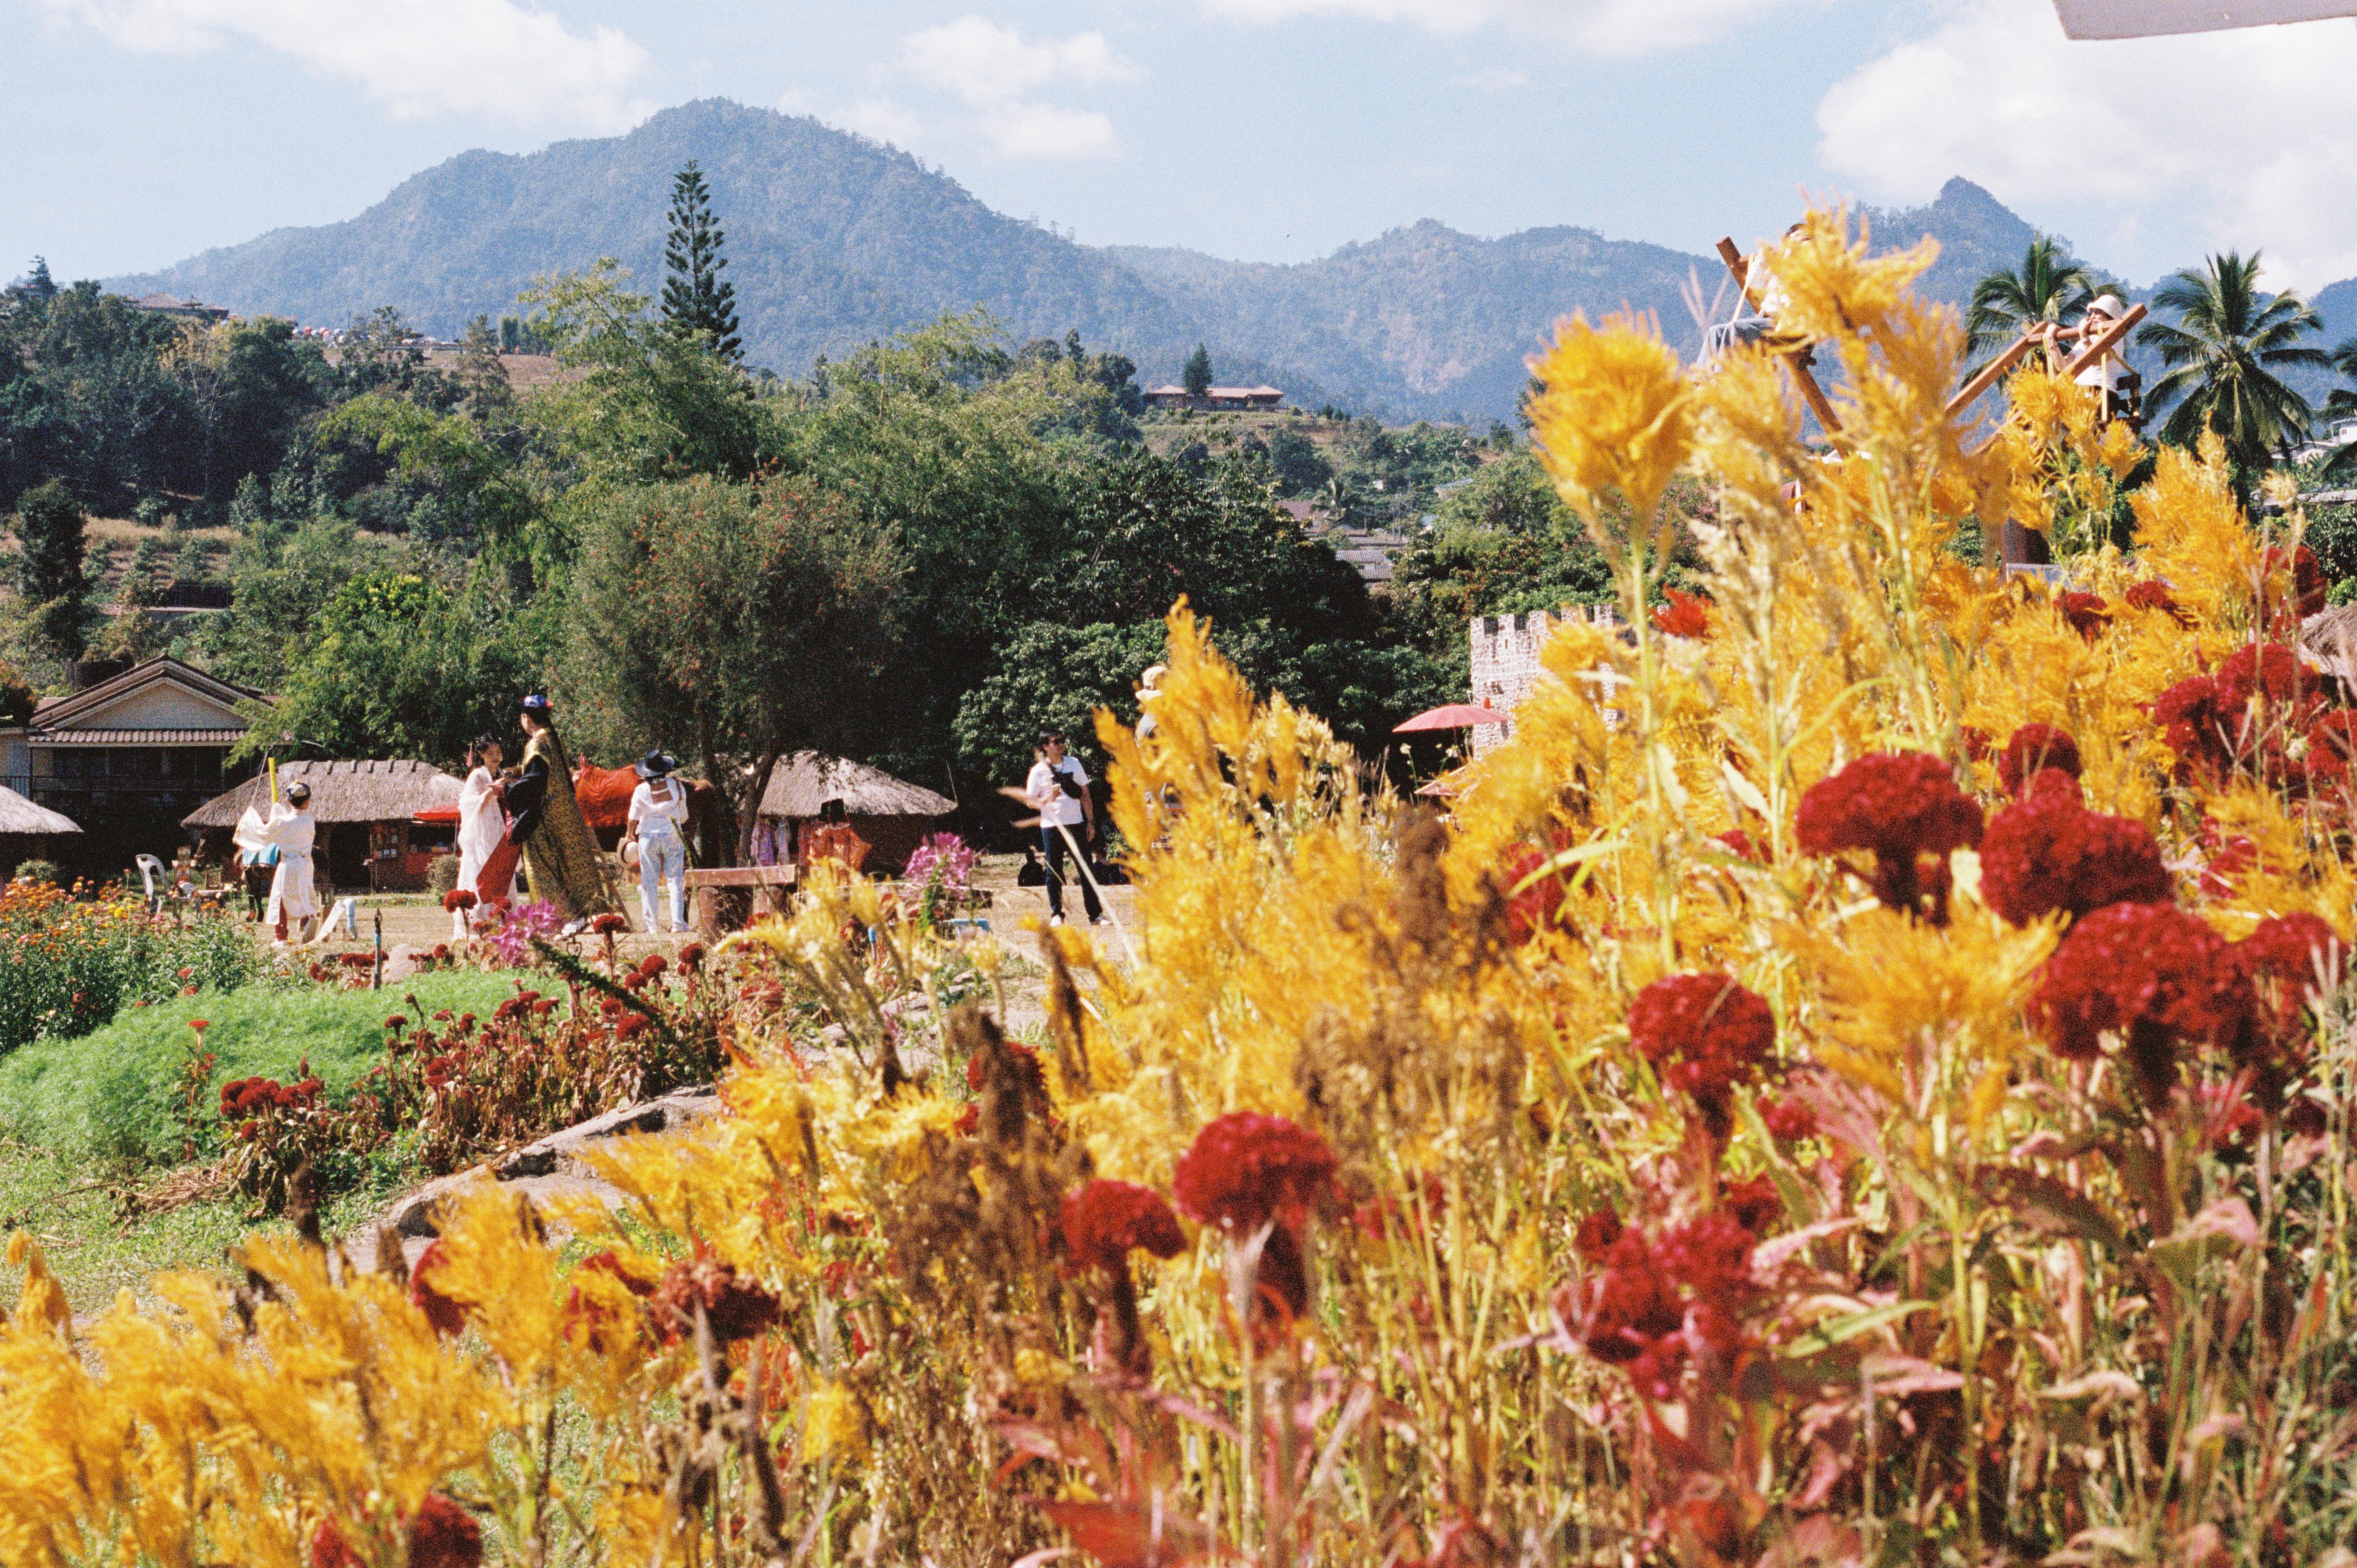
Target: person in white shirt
{"points": [[1058, 786], [483, 826], [294, 902], [658, 813], [2109, 375]]}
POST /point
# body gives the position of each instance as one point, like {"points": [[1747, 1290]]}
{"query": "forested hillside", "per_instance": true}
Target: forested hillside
{"points": [[835, 241]]}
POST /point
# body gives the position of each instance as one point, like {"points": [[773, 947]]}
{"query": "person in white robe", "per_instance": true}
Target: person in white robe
{"points": [[482, 825], [290, 828]]}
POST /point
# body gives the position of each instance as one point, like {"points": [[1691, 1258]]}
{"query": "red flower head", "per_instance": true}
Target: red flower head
{"points": [[2050, 853], [1534, 908], [444, 1535], [1597, 1233], [1245, 1169], [2033, 748], [447, 1316], [2086, 613], [691, 957], [458, 898], [200, 1024], [1743, 845], [1900, 805], [2309, 591], [735, 1309], [2152, 594], [395, 1024], [653, 964], [2149, 972], [1105, 1218], [1789, 1119], [329, 1550], [2198, 725], [1754, 1204], [606, 925], [357, 960], [2332, 746], [1652, 1304], [1683, 614], [2286, 958], [1703, 1034], [2268, 670]]}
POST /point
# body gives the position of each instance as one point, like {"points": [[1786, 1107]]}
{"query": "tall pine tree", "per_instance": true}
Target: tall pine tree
{"points": [[695, 299], [1197, 376]]}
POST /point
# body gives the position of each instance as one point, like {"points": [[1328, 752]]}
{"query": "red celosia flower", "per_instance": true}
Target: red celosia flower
{"points": [[1245, 1169], [1703, 1034], [1650, 1305], [2332, 746], [632, 1027], [1104, 1219], [1978, 742], [329, 1550], [2153, 593], [1899, 805], [1533, 908], [2087, 613], [2268, 670], [1685, 614], [2309, 591], [1597, 1233], [447, 1316], [2035, 746], [1789, 1119], [396, 1023], [444, 1535], [458, 898], [606, 925], [200, 1024], [653, 964], [2050, 853], [735, 1307], [2286, 958], [1753, 1203], [2151, 972], [357, 960], [1743, 844], [691, 957]]}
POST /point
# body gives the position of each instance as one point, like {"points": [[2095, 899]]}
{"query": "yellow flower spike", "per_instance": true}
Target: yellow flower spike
{"points": [[1835, 288], [41, 1301], [496, 1262], [834, 1427], [1614, 414]]}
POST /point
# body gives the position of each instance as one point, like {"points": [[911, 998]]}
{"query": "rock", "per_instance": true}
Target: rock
{"points": [[552, 1167]]}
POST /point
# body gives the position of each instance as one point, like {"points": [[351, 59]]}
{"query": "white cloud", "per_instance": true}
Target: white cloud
{"points": [[417, 58], [2249, 138], [884, 120], [1597, 27], [995, 70], [1496, 80]]}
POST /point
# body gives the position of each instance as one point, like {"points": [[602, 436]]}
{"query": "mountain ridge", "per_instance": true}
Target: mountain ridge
{"points": [[835, 240]]}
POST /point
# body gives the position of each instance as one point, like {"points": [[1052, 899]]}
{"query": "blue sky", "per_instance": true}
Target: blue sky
{"points": [[143, 131]]}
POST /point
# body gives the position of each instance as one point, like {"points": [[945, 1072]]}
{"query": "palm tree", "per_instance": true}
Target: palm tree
{"points": [[2048, 287], [2223, 351], [2341, 403]]}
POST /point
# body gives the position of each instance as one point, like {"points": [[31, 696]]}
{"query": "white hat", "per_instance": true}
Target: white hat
{"points": [[2107, 304]]}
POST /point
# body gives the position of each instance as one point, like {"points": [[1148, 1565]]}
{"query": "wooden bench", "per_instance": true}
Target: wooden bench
{"points": [[717, 902]]}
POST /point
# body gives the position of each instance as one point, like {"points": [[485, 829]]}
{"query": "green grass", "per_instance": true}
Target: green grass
{"points": [[107, 1095]]}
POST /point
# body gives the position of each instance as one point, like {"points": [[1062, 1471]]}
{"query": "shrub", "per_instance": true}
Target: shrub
{"points": [[442, 874], [38, 871], [68, 965]]}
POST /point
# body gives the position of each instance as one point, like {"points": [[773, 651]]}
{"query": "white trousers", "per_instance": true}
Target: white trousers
{"points": [[663, 858]]}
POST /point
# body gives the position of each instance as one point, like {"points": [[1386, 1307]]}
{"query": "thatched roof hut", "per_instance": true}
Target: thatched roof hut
{"points": [[19, 818], [29, 831], [388, 791], [892, 814], [804, 781], [366, 810]]}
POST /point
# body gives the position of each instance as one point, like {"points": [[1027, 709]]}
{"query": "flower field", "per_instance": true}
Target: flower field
{"points": [[68, 965], [1864, 1075]]}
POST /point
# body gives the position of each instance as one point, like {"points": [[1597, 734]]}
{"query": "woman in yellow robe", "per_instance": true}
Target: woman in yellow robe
{"points": [[560, 857]]}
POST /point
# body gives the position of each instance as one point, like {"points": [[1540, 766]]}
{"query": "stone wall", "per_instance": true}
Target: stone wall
{"points": [[1506, 662]]}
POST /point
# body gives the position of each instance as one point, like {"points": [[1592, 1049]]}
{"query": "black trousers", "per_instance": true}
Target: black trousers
{"points": [[1055, 850]]}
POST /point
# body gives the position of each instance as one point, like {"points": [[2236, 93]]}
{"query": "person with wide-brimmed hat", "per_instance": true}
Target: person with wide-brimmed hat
{"points": [[658, 815], [560, 856]]}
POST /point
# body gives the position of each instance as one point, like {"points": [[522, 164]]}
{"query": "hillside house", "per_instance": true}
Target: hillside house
{"points": [[1217, 398], [181, 309], [126, 754]]}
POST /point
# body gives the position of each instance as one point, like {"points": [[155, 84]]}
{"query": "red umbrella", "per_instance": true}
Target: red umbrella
{"points": [[1451, 715]]}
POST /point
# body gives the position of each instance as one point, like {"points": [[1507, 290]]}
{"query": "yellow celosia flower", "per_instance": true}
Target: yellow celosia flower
{"points": [[835, 1427], [1613, 414]]}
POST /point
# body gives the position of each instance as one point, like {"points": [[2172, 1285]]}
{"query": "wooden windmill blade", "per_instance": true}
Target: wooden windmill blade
{"points": [[1796, 359], [2152, 18]]}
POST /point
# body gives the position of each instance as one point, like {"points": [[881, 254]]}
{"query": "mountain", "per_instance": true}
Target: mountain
{"points": [[834, 240]]}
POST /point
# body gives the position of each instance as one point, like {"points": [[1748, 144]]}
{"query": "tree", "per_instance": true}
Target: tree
{"points": [[2050, 287], [1197, 376], [2223, 353], [1052, 673], [51, 575], [39, 288], [696, 300], [2341, 403], [733, 622]]}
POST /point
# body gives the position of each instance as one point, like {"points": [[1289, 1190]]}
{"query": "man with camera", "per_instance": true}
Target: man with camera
{"points": [[1058, 787]]}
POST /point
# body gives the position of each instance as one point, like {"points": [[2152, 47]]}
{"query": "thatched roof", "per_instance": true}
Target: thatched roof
{"points": [[805, 781], [2331, 636], [18, 815], [391, 792]]}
